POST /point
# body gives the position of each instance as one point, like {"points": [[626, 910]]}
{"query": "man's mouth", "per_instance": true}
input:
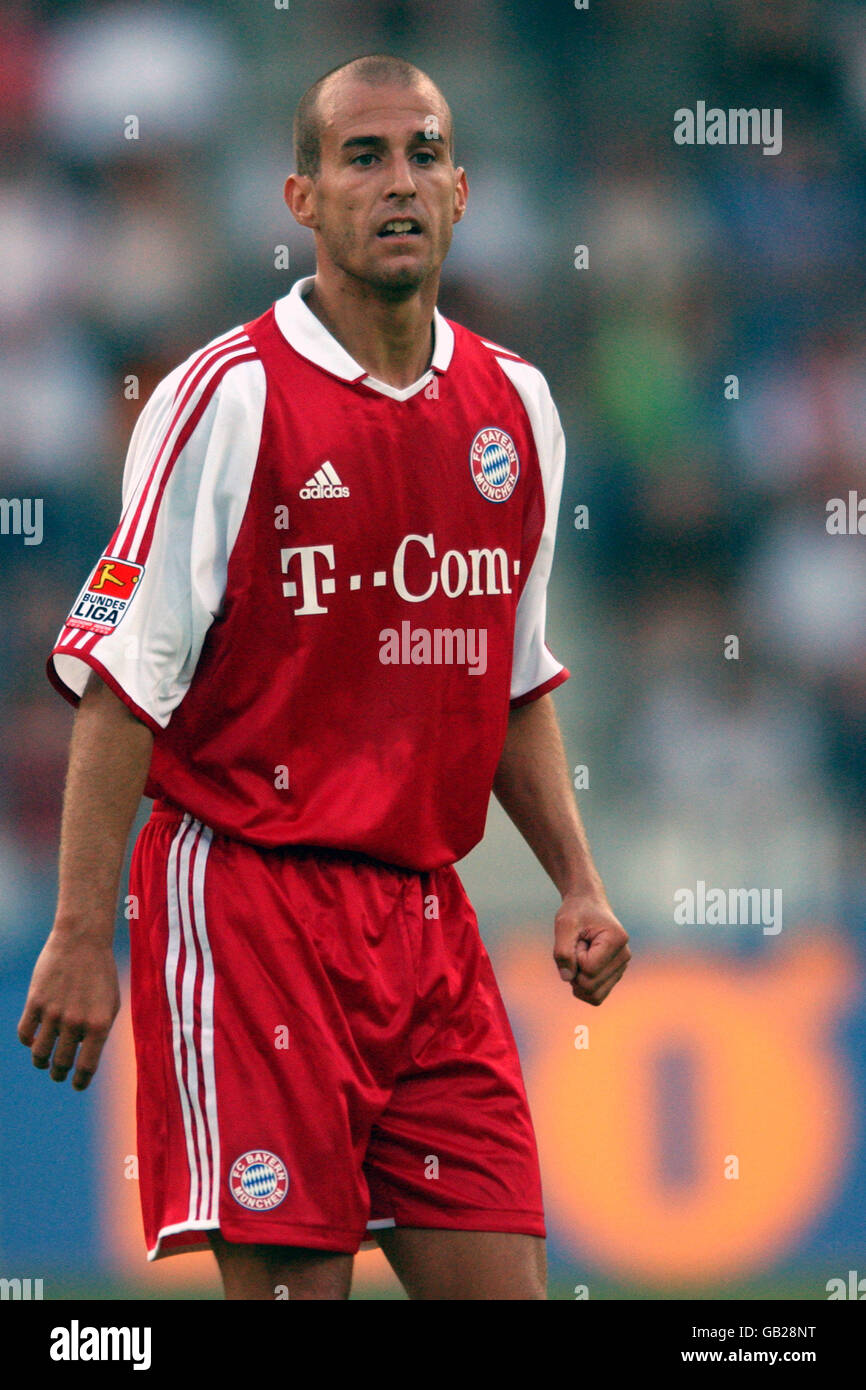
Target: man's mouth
{"points": [[399, 227]]}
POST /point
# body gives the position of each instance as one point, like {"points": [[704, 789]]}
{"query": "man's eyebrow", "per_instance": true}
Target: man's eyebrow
{"points": [[419, 137], [362, 141]]}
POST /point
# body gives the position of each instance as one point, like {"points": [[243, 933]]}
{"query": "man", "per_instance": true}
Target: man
{"points": [[317, 640]]}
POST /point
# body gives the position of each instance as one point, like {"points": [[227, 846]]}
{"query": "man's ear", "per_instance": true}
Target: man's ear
{"points": [[299, 194], [461, 194]]}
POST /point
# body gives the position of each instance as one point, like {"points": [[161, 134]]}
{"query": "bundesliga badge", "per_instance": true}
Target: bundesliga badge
{"points": [[106, 596], [494, 463], [258, 1180]]}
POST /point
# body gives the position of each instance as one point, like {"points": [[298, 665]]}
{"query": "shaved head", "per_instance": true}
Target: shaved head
{"points": [[374, 69]]}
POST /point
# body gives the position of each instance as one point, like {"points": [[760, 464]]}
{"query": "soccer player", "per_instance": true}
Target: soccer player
{"points": [[316, 639]]}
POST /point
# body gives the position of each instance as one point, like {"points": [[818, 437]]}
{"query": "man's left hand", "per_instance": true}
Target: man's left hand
{"points": [[590, 946]]}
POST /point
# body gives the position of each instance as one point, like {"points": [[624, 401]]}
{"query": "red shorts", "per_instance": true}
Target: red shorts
{"points": [[322, 1050]]}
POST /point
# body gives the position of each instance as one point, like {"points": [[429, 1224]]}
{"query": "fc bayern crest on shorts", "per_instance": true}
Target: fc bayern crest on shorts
{"points": [[258, 1180], [494, 463]]}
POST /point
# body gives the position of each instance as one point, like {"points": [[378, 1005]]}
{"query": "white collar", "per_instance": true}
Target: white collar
{"points": [[308, 335]]}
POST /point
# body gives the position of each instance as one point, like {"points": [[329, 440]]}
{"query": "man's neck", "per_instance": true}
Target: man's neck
{"points": [[392, 341]]}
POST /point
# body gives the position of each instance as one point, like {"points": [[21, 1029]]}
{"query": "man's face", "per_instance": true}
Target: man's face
{"points": [[380, 166]]}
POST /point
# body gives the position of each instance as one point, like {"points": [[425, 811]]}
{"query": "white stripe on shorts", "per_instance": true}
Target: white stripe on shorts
{"points": [[193, 1048]]}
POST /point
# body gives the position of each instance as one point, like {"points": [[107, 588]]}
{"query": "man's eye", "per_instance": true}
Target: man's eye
{"points": [[359, 157], [427, 155]]}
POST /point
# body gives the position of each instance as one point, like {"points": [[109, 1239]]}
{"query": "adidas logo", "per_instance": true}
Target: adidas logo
{"points": [[325, 482]]}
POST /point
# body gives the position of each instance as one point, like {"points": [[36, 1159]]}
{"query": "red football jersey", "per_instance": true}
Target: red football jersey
{"points": [[324, 593]]}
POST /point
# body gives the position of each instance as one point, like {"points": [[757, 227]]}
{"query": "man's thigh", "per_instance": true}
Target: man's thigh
{"points": [[269, 1007], [275, 1272], [434, 1264], [454, 1149]]}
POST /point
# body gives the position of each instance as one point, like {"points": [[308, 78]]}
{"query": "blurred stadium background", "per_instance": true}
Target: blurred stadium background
{"points": [[706, 519]]}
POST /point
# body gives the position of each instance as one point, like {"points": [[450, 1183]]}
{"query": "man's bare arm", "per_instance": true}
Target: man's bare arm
{"points": [[533, 785], [74, 996]]}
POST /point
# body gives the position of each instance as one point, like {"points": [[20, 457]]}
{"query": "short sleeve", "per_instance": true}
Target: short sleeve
{"points": [[535, 670], [143, 614]]}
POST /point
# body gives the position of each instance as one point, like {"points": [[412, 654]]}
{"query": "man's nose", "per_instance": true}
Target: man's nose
{"points": [[402, 182]]}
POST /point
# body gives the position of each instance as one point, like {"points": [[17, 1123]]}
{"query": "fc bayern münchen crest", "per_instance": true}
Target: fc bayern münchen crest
{"points": [[494, 463], [258, 1180]]}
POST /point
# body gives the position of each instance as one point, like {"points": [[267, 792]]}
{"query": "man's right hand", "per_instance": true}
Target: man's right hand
{"points": [[73, 1000], [74, 995]]}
